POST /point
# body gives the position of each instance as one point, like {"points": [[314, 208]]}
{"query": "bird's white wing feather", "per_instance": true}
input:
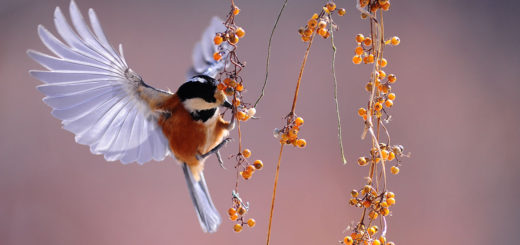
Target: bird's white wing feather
{"points": [[97, 97], [202, 56]]}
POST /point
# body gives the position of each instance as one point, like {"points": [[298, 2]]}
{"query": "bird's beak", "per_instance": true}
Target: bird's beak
{"points": [[227, 104]]}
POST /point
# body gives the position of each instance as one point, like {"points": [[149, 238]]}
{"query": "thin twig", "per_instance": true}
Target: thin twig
{"points": [[336, 92], [269, 53], [301, 73], [274, 194]]}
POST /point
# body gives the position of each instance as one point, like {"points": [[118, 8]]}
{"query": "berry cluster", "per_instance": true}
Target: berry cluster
{"points": [[233, 85], [318, 22], [237, 212], [289, 134], [374, 198]]}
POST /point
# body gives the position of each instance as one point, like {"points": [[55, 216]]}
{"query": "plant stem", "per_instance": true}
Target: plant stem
{"points": [[274, 194]]}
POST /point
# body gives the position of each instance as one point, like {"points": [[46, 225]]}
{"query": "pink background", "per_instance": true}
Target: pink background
{"points": [[456, 111]]}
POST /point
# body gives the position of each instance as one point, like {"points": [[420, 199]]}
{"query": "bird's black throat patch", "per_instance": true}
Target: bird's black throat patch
{"points": [[203, 115]]}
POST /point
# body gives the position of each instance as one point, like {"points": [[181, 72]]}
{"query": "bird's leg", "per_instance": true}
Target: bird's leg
{"points": [[219, 158], [214, 150]]}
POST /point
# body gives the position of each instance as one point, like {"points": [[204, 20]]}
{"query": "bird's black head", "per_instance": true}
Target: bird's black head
{"points": [[201, 93]]}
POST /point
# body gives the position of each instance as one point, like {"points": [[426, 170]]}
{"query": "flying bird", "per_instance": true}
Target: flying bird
{"points": [[108, 106]]}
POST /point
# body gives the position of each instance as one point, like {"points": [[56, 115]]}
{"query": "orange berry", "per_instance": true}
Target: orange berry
{"points": [[392, 78], [348, 240], [233, 217], [395, 40], [390, 201], [382, 62], [384, 154], [389, 103], [258, 164], [241, 116], [228, 81], [326, 10], [360, 38], [233, 39], [217, 40], [385, 88], [359, 50], [322, 32], [342, 11], [240, 32], [217, 56], [390, 243], [228, 91], [382, 74], [322, 24], [354, 193], [356, 59], [371, 230], [312, 23], [331, 6], [381, 2], [221, 86], [382, 239], [362, 111], [390, 194], [362, 161], [315, 16], [368, 41], [305, 39], [250, 168], [232, 211], [246, 153], [251, 222], [237, 227], [368, 87], [237, 102], [366, 204], [391, 156], [241, 211], [378, 106], [298, 121], [239, 87], [246, 175], [371, 58], [376, 242], [391, 96], [385, 211], [363, 3], [373, 215], [386, 6], [394, 170], [236, 10], [301, 143], [384, 204], [307, 32]]}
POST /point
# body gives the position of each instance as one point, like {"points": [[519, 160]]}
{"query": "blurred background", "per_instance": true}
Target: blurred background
{"points": [[456, 111]]}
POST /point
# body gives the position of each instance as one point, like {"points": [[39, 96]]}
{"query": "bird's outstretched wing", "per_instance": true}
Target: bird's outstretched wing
{"points": [[202, 57], [98, 98]]}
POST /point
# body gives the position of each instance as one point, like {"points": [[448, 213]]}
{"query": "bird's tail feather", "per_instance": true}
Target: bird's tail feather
{"points": [[208, 215]]}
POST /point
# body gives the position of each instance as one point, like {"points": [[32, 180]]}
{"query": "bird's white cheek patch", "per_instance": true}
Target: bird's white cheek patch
{"points": [[197, 104]]}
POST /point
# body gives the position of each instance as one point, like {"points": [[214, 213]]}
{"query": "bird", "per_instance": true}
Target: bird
{"points": [[108, 106]]}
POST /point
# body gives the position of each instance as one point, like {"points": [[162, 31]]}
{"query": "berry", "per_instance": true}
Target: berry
{"points": [[390, 194], [323, 32], [233, 39], [354, 193], [221, 86], [384, 154], [241, 211], [390, 201], [258, 164], [246, 153], [237, 228], [368, 41], [301, 143], [240, 32], [371, 58], [362, 111], [378, 106], [392, 78], [382, 239], [371, 230], [382, 62], [376, 242], [236, 10], [395, 40], [251, 112], [348, 240], [394, 170], [251, 222], [331, 6], [233, 217], [391, 156], [362, 161], [217, 40], [312, 23], [322, 24], [250, 168], [315, 16], [217, 56], [386, 6], [307, 32], [232, 211], [298, 121], [385, 211], [239, 87], [356, 59], [241, 116], [246, 175], [359, 50], [342, 11], [391, 96], [360, 38], [373, 215], [389, 103]]}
